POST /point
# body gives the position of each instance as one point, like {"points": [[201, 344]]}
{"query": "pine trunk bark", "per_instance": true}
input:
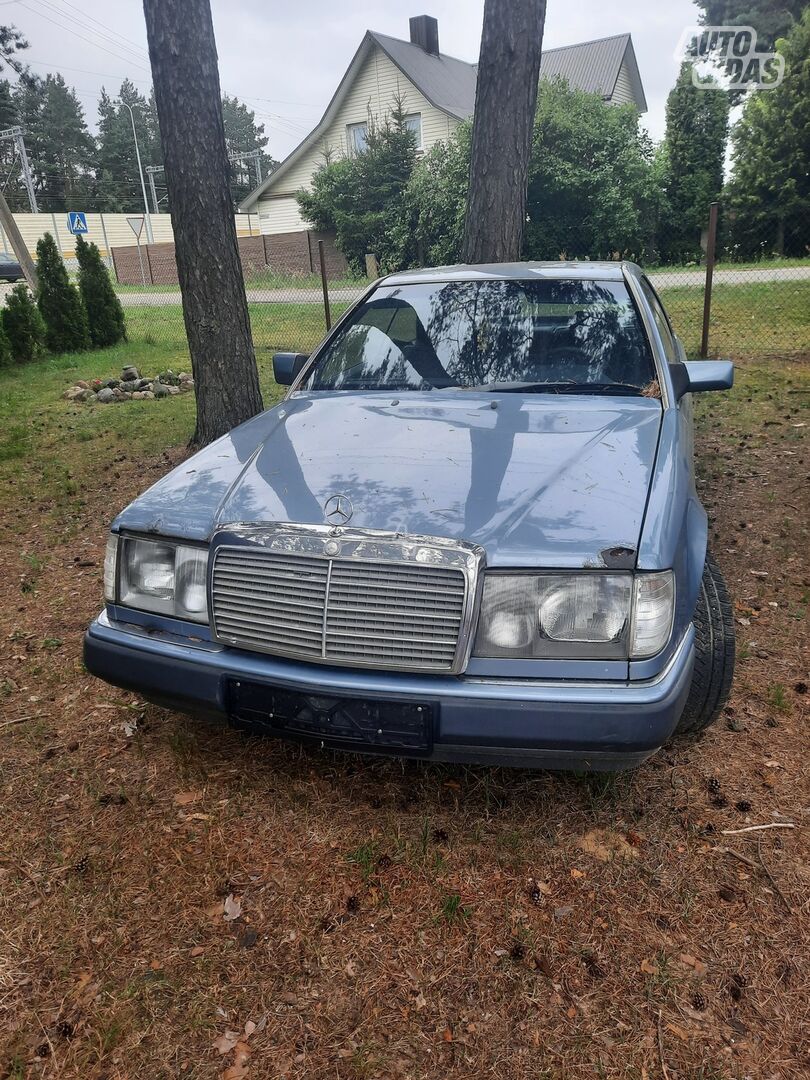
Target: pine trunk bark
{"points": [[505, 100], [183, 54]]}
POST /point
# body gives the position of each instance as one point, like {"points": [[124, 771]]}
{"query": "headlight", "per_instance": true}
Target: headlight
{"points": [[169, 579], [575, 616]]}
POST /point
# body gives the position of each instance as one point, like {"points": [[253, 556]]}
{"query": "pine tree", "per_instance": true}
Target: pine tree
{"points": [[117, 184], [59, 145], [243, 134], [697, 129], [104, 312], [59, 302], [23, 325]]}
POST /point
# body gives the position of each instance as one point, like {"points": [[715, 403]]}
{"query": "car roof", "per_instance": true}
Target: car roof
{"points": [[517, 271]]}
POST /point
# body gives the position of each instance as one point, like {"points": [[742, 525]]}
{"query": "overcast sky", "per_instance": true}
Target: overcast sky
{"points": [[286, 59]]}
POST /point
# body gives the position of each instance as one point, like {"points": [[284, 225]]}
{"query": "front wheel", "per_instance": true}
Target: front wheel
{"points": [[714, 653]]}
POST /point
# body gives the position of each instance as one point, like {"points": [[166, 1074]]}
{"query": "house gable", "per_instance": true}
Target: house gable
{"points": [[369, 88]]}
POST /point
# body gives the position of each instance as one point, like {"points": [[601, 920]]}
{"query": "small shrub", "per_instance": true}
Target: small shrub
{"points": [[23, 325], [104, 313], [5, 348], [60, 303]]}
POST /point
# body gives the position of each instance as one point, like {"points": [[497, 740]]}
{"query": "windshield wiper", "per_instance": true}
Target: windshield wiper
{"points": [[619, 389]]}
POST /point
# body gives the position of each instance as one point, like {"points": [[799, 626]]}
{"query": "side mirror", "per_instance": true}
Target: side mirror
{"points": [[694, 376], [287, 365]]}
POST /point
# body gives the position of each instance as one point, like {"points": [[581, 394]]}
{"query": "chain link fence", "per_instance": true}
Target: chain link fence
{"points": [[759, 297]]}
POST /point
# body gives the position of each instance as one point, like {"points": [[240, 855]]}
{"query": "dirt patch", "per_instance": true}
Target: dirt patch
{"points": [[182, 901]]}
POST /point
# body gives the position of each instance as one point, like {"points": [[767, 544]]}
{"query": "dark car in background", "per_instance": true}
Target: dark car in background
{"points": [[10, 269]]}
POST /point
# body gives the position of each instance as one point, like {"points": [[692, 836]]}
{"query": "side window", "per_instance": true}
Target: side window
{"points": [[661, 321], [356, 138]]}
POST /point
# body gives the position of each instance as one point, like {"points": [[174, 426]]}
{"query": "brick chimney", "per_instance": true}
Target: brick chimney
{"points": [[425, 33]]}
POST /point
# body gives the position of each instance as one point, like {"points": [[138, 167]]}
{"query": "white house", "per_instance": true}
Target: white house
{"points": [[438, 91]]}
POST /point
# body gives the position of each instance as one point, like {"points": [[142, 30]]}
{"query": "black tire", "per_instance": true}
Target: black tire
{"points": [[714, 653]]}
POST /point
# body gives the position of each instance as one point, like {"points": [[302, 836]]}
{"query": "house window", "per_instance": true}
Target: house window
{"points": [[356, 138], [413, 122]]}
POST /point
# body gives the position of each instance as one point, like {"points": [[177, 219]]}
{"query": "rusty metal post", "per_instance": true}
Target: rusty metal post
{"points": [[326, 310], [711, 243]]}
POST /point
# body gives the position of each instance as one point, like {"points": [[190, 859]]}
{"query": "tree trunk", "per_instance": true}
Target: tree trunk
{"points": [[505, 100], [187, 93]]}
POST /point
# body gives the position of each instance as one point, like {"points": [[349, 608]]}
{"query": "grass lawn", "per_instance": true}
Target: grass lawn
{"points": [[765, 318], [267, 279], [397, 920], [276, 327]]}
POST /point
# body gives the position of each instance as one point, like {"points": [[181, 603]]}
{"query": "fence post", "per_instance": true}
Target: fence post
{"points": [[106, 243], [56, 234], [326, 310], [372, 266], [707, 289]]}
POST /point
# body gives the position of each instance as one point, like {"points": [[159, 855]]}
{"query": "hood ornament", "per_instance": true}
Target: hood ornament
{"points": [[338, 509]]}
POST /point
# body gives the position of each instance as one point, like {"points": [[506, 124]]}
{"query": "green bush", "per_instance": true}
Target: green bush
{"points": [[22, 325], [5, 349], [59, 302], [104, 312]]}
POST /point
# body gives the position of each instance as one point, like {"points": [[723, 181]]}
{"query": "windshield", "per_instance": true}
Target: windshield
{"points": [[545, 335]]}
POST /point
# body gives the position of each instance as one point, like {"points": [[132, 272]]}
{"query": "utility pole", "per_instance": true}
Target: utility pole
{"points": [[149, 236], [250, 155], [150, 172], [16, 133], [18, 244]]}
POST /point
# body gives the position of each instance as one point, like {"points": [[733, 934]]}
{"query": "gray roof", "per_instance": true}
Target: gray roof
{"points": [[449, 83], [446, 82]]}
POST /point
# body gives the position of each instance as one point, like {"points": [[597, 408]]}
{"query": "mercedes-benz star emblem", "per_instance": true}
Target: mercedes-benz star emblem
{"points": [[338, 509]]}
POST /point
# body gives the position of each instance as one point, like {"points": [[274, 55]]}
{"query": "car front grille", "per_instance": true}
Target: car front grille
{"points": [[340, 610]]}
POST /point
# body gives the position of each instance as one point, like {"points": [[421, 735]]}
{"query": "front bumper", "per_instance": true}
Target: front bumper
{"points": [[544, 724]]}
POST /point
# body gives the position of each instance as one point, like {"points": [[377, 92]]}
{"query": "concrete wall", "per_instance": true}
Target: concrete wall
{"points": [[106, 230]]}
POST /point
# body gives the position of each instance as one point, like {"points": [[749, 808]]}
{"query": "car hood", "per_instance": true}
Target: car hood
{"points": [[537, 480]]}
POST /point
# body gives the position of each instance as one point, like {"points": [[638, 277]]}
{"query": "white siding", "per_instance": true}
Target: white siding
{"points": [[372, 93], [623, 92]]}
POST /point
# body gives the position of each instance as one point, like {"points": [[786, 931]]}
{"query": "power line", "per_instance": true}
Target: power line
{"points": [[70, 30]]}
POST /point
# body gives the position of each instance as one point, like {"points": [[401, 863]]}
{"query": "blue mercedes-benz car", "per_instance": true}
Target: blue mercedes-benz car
{"points": [[469, 532]]}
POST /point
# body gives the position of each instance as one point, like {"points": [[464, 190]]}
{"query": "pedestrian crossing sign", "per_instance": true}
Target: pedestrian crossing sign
{"points": [[77, 222]]}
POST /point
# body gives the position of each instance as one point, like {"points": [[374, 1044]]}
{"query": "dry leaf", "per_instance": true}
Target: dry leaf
{"points": [[679, 1032], [232, 908], [697, 965], [186, 798], [250, 1027], [226, 1042], [198, 950], [649, 967], [577, 873], [448, 1035], [235, 1072]]}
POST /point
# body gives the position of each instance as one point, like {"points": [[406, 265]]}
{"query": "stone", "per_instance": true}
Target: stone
{"points": [[138, 395], [159, 390], [106, 396], [111, 383], [185, 376], [119, 394], [129, 385], [83, 385], [148, 394], [174, 389], [87, 395], [144, 384], [73, 393], [129, 373], [184, 388]]}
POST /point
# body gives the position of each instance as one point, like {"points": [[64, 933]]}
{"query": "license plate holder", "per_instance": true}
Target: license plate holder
{"points": [[336, 719]]}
